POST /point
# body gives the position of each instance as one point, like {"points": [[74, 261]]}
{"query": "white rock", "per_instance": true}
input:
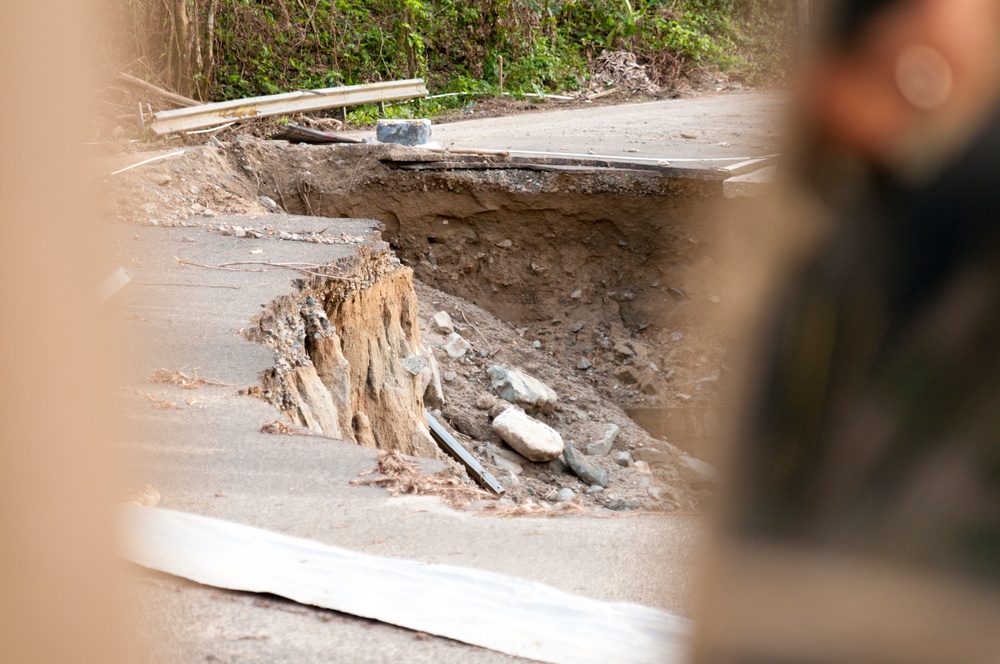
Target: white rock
{"points": [[441, 322], [603, 446], [519, 388], [457, 346], [534, 440], [430, 380]]}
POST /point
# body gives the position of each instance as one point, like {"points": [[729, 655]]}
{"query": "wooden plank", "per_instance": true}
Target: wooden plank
{"points": [[301, 101], [513, 616]]}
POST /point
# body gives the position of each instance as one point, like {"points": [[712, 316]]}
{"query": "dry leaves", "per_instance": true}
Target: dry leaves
{"points": [[509, 509], [160, 404], [181, 379], [402, 476]]}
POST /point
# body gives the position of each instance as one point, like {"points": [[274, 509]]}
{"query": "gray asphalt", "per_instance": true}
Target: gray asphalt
{"points": [[208, 457], [699, 132]]}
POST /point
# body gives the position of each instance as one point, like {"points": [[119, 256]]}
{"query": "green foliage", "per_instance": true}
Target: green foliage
{"points": [[271, 46]]}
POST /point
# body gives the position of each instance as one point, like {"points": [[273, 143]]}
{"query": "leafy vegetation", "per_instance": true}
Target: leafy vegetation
{"points": [[239, 48]]}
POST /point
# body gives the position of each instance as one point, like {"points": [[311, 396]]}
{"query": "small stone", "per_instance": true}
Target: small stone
{"points": [[676, 337], [715, 299], [577, 294], [534, 440], [603, 446], [441, 322], [623, 459], [414, 364], [197, 207], [519, 388], [449, 376], [643, 468], [583, 364], [165, 180], [654, 457], [269, 202], [239, 231], [596, 488], [587, 471], [505, 244], [623, 350], [655, 492], [430, 379], [537, 345], [565, 495], [576, 327], [511, 467], [457, 346]]}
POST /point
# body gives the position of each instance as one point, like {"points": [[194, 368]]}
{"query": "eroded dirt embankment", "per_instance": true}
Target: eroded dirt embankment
{"points": [[345, 349]]}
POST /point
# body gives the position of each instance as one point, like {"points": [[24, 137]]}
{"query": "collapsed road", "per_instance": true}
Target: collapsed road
{"points": [[285, 308]]}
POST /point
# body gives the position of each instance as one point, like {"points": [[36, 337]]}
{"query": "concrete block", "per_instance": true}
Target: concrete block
{"points": [[403, 132]]}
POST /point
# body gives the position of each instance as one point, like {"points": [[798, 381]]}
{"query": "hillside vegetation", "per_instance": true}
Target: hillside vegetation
{"points": [[225, 49]]}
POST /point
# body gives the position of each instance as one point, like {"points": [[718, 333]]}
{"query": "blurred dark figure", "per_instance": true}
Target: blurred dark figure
{"points": [[863, 521]]}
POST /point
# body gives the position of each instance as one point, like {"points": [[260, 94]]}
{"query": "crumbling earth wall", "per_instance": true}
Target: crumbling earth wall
{"points": [[348, 355]]}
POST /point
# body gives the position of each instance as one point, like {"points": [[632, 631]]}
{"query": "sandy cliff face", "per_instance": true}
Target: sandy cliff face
{"points": [[348, 356]]}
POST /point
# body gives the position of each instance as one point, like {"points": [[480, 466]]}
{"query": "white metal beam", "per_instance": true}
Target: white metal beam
{"points": [[301, 101]]}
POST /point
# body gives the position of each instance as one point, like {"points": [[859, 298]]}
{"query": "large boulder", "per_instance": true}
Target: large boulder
{"points": [[523, 390], [532, 439]]}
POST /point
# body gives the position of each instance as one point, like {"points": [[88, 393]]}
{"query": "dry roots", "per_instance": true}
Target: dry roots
{"points": [[401, 476]]}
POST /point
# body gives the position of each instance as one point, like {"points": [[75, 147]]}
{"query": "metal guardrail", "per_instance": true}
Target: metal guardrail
{"points": [[301, 101]]}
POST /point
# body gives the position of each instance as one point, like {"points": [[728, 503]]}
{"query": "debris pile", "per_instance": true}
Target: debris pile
{"points": [[620, 69]]}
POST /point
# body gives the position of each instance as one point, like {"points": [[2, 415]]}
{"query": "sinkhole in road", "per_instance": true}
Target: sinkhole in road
{"points": [[611, 271]]}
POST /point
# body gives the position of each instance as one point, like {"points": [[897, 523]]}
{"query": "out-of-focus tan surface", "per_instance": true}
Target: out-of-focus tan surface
{"points": [[58, 601]]}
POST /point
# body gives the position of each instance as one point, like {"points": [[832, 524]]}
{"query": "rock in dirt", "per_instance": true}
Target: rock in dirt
{"points": [[414, 364], [623, 459], [441, 322], [430, 379], [654, 457], [583, 364], [603, 446], [457, 346], [534, 440], [587, 471], [504, 463], [564, 495], [519, 388]]}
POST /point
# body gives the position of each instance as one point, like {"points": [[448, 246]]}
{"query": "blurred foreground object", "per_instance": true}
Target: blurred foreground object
{"points": [[863, 519], [57, 560]]}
